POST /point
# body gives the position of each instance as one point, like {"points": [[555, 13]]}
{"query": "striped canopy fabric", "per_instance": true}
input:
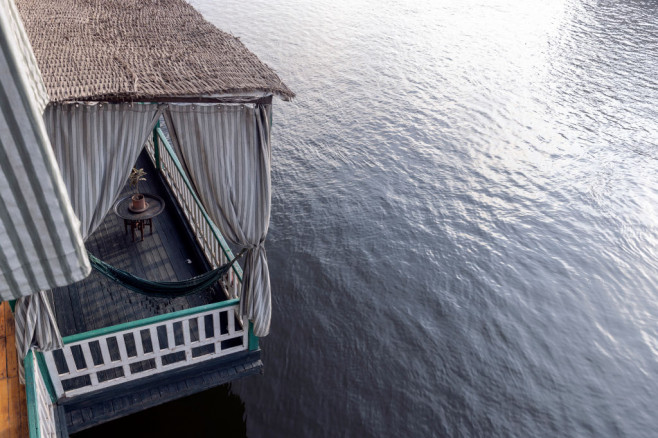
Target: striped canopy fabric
{"points": [[95, 145], [227, 151], [40, 242]]}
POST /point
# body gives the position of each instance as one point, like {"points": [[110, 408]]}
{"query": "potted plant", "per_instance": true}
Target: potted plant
{"points": [[138, 200]]}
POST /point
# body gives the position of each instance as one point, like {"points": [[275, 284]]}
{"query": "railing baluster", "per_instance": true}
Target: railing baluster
{"points": [[139, 346], [155, 343], [231, 321], [123, 353], [215, 322], [70, 362], [105, 352], [171, 340], [86, 352], [187, 340], [201, 321]]}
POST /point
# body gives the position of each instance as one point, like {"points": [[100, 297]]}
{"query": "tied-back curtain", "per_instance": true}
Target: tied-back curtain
{"points": [[40, 242], [95, 145], [226, 149]]}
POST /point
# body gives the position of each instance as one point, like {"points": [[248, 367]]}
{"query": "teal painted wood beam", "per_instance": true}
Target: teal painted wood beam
{"points": [[253, 339], [156, 146], [31, 395]]}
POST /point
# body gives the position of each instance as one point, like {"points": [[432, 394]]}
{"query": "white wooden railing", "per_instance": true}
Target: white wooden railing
{"points": [[113, 355], [210, 240]]}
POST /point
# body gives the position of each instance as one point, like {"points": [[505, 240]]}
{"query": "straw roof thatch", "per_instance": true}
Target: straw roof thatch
{"points": [[138, 50]]}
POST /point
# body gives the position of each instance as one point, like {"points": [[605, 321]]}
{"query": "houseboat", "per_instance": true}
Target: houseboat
{"points": [[168, 310]]}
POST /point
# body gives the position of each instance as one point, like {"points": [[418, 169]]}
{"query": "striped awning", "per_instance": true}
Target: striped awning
{"points": [[40, 242]]}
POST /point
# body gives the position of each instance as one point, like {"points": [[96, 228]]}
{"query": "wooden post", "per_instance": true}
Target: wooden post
{"points": [[156, 146]]}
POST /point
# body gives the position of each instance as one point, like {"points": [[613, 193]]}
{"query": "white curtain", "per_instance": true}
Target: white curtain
{"points": [[96, 145], [226, 149]]}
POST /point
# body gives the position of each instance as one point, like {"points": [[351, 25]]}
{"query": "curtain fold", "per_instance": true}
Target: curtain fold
{"points": [[40, 242], [226, 149], [35, 327], [95, 145]]}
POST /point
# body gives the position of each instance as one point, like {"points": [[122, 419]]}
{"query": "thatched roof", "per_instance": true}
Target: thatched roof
{"points": [[138, 50]]}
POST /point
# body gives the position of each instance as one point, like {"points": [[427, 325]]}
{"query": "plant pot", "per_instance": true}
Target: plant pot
{"points": [[139, 202]]}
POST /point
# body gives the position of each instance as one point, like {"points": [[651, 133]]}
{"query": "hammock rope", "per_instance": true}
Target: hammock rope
{"points": [[162, 289]]}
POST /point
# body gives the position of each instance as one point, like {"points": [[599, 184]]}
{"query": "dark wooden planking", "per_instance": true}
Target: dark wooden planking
{"points": [[97, 302], [13, 407], [60, 422], [160, 380], [130, 398]]}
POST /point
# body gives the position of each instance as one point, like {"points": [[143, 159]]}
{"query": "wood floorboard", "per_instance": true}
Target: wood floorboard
{"points": [[13, 405], [23, 417], [97, 302]]}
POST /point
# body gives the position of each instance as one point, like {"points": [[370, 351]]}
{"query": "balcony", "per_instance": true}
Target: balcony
{"points": [[123, 351]]}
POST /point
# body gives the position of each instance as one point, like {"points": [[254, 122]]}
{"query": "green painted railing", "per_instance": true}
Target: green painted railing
{"points": [[31, 396], [40, 414], [253, 339], [164, 143]]}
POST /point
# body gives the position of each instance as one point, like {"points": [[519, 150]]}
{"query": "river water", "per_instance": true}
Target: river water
{"points": [[464, 234]]}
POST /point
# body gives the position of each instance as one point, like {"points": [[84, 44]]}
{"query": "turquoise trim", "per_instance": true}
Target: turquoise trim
{"points": [[12, 306], [31, 395], [147, 321], [218, 235], [156, 146], [45, 374], [253, 339]]}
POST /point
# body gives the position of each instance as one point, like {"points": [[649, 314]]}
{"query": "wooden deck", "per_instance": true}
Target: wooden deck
{"points": [[13, 406], [169, 254]]}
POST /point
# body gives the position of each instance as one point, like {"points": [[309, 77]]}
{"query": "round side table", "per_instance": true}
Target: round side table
{"points": [[137, 221]]}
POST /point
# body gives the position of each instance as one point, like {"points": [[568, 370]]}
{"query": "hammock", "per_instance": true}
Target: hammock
{"points": [[162, 289]]}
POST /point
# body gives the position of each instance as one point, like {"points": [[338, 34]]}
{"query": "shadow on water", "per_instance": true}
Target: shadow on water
{"points": [[207, 414]]}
